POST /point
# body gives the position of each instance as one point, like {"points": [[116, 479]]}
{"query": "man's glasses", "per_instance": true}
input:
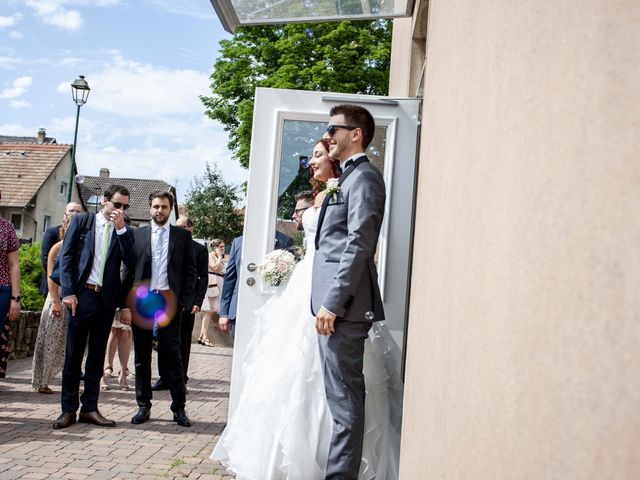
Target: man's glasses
{"points": [[120, 205], [299, 211], [331, 129]]}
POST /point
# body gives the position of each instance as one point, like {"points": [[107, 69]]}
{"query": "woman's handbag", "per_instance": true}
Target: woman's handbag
{"points": [[213, 291]]}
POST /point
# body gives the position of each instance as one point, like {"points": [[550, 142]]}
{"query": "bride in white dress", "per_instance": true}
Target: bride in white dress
{"points": [[281, 427]]}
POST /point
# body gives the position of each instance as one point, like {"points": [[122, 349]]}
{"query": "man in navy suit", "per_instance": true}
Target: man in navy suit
{"points": [[165, 265], [229, 297], [50, 238], [94, 248]]}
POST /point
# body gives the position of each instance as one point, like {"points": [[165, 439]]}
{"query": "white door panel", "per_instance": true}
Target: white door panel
{"points": [[286, 125]]}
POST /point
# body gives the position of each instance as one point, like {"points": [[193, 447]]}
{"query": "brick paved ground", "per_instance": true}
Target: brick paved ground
{"points": [[158, 449]]}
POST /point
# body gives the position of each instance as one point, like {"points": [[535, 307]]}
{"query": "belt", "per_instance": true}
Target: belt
{"points": [[155, 290], [95, 288], [218, 274]]}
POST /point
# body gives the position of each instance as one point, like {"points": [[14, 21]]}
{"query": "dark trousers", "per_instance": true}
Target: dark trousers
{"points": [[186, 330], [5, 304], [92, 321], [169, 363], [341, 355]]}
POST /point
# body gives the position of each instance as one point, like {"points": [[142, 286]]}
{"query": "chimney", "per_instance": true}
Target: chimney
{"points": [[104, 173], [42, 134]]}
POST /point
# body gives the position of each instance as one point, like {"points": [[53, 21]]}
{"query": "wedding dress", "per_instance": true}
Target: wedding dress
{"points": [[281, 428]]}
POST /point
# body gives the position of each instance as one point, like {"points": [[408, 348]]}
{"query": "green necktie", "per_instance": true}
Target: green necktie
{"points": [[104, 249]]}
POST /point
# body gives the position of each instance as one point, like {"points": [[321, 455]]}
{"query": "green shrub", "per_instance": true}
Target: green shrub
{"points": [[30, 277]]}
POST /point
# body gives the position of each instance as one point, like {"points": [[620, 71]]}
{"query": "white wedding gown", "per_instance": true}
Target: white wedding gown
{"points": [[281, 427]]}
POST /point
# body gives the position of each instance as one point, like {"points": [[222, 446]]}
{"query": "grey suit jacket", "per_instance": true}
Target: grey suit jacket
{"points": [[345, 278]]}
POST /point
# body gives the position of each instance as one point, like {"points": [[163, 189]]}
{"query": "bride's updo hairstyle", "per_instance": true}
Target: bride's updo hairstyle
{"points": [[335, 165]]}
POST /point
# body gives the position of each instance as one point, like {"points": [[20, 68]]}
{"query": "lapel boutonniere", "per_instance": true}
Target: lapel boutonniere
{"points": [[333, 188]]}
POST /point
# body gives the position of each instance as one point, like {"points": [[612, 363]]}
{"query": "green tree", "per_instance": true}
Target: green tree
{"points": [[212, 205], [347, 57], [30, 277]]}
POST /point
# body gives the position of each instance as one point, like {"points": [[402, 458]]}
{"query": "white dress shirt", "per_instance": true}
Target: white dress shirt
{"points": [[98, 227], [159, 275], [352, 157]]}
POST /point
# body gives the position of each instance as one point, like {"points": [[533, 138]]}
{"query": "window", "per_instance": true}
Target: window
{"points": [[46, 224], [16, 219], [63, 188]]}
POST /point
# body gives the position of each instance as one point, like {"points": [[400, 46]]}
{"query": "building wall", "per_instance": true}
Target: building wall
{"points": [[49, 201], [524, 341]]}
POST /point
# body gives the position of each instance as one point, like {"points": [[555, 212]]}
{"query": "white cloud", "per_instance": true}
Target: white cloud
{"points": [[19, 104], [15, 35], [57, 13], [17, 130], [10, 21], [72, 61], [68, 20], [132, 89], [20, 85]]}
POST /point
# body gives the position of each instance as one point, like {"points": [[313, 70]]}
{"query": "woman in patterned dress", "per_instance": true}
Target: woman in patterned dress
{"points": [[48, 356], [211, 303]]}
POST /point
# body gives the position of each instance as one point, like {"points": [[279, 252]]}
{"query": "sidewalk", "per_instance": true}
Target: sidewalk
{"points": [[158, 449]]}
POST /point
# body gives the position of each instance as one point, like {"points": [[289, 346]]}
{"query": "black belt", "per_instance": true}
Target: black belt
{"points": [[216, 273]]}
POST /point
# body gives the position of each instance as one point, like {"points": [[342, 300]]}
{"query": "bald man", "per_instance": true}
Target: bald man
{"points": [[51, 237]]}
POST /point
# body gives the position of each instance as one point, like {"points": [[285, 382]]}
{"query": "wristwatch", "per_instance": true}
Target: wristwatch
{"points": [[17, 298]]}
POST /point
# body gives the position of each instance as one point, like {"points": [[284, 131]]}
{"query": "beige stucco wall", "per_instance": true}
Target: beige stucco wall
{"points": [[524, 336]]}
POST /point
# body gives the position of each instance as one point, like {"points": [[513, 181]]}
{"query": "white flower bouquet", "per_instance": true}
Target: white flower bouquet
{"points": [[276, 268]]}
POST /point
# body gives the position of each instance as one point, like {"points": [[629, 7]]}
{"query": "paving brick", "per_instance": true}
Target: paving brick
{"points": [[31, 449]]}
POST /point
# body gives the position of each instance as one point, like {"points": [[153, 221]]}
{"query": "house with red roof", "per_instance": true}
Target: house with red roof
{"points": [[35, 181]]}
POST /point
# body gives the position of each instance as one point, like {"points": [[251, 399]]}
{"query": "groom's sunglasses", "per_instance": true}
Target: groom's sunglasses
{"points": [[120, 205], [331, 129]]}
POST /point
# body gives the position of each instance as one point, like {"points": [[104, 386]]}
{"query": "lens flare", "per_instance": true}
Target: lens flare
{"points": [[151, 306]]}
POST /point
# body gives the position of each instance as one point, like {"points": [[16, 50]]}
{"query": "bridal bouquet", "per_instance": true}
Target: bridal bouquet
{"points": [[277, 267]]}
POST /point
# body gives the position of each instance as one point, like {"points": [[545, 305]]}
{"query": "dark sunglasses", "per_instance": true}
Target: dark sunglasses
{"points": [[331, 129], [120, 205]]}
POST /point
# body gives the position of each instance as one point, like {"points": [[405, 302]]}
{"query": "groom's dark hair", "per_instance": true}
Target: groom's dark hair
{"points": [[357, 116]]}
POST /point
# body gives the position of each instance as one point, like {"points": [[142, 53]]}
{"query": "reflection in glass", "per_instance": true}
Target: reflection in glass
{"points": [[299, 137]]}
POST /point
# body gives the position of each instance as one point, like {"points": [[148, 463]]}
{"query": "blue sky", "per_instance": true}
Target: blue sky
{"points": [[146, 62]]}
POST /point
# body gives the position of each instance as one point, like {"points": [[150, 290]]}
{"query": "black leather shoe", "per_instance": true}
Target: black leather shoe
{"points": [[95, 418], [142, 416], [66, 419], [180, 417], [159, 385]]}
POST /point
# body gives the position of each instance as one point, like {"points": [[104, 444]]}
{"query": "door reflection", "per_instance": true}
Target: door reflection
{"points": [[298, 139]]}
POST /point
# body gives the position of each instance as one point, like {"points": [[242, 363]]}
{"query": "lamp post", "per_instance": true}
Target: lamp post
{"points": [[80, 91]]}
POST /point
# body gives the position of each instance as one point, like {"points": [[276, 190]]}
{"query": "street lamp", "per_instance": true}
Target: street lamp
{"points": [[80, 91]]}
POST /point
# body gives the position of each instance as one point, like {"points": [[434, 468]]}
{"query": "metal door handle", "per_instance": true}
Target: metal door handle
{"points": [[251, 281], [252, 267]]}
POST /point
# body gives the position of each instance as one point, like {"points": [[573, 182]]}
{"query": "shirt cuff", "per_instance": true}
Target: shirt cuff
{"points": [[327, 310], [121, 230]]}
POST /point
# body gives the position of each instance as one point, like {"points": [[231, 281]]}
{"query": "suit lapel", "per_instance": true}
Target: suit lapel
{"points": [[172, 242], [341, 180]]}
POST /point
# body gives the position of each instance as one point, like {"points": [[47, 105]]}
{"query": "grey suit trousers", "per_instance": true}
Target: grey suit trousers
{"points": [[341, 355]]}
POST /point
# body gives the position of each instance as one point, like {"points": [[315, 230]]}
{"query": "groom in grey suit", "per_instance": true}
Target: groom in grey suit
{"points": [[345, 297]]}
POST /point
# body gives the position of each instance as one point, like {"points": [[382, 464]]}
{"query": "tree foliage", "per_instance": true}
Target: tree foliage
{"points": [[211, 204], [346, 57], [30, 277]]}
